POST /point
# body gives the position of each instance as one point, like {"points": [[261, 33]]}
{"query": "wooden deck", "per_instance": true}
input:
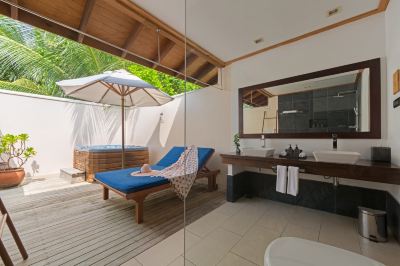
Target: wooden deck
{"points": [[75, 226]]}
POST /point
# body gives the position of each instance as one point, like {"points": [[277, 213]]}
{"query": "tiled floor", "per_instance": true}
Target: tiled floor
{"points": [[238, 234]]}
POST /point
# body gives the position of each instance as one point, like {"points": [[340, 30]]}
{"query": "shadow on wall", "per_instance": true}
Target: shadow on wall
{"points": [[158, 128], [93, 124]]}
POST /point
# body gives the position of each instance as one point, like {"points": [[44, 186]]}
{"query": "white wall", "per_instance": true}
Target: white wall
{"points": [[56, 125], [358, 41], [393, 63], [207, 125]]}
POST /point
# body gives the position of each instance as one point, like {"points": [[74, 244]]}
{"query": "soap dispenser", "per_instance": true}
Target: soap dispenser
{"points": [[290, 151], [297, 151]]}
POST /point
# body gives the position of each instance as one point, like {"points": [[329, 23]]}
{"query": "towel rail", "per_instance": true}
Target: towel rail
{"points": [[274, 169]]}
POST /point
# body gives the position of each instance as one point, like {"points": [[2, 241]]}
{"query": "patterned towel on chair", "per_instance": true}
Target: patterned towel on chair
{"points": [[181, 174]]}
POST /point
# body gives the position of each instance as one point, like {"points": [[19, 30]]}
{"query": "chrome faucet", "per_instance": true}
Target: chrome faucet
{"points": [[334, 141], [262, 141]]}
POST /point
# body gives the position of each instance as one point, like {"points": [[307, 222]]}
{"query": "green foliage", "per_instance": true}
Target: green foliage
{"points": [[236, 140], [33, 60], [169, 84], [13, 147]]}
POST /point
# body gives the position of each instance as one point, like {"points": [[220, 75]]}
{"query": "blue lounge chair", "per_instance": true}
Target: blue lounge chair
{"points": [[138, 188]]}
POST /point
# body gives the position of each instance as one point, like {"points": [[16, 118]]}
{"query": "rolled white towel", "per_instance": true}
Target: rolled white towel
{"points": [[293, 181], [281, 179]]}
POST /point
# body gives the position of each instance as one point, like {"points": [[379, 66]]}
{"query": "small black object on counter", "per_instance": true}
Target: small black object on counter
{"points": [[381, 154], [291, 153]]}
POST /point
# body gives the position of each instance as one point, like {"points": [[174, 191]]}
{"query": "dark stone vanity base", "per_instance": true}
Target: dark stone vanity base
{"points": [[343, 200], [393, 215]]}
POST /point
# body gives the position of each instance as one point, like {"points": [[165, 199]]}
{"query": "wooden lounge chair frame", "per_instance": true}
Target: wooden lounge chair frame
{"points": [[139, 196], [6, 220]]}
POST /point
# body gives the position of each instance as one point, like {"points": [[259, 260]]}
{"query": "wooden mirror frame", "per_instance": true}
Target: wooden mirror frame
{"points": [[374, 66]]}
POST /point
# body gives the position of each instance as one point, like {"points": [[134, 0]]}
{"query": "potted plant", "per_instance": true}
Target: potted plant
{"points": [[15, 153], [236, 141]]}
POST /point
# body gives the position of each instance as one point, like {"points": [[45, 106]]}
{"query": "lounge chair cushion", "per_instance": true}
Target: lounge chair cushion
{"points": [[122, 180], [173, 155]]}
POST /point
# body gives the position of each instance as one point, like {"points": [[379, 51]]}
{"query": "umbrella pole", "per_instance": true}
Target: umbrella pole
{"points": [[123, 130]]}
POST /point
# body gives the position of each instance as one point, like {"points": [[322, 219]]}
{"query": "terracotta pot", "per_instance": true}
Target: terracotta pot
{"points": [[11, 177]]}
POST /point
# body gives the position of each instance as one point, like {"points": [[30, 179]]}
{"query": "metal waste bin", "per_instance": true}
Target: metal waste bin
{"points": [[372, 224]]}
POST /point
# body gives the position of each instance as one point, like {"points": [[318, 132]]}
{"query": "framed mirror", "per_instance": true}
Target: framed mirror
{"points": [[344, 100]]}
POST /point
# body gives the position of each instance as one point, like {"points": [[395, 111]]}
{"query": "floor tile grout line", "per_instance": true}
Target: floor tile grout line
{"points": [[188, 260], [319, 231], [233, 252]]}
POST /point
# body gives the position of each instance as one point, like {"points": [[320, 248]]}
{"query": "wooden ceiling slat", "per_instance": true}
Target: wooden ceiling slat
{"points": [[164, 51], [209, 75], [65, 12], [145, 44], [256, 98], [150, 21], [190, 59], [107, 24], [14, 10], [174, 58], [213, 80], [132, 37], [87, 11], [266, 93], [259, 97], [35, 21], [195, 66], [202, 71]]}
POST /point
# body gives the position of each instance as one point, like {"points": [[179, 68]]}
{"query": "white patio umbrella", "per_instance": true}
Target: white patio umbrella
{"points": [[117, 87]]}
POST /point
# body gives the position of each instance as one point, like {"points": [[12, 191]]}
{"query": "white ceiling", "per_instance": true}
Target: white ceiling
{"points": [[228, 28]]}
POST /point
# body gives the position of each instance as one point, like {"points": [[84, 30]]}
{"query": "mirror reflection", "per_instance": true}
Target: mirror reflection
{"points": [[336, 103]]}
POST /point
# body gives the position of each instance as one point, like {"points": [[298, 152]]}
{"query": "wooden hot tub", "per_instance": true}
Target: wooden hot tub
{"points": [[101, 158]]}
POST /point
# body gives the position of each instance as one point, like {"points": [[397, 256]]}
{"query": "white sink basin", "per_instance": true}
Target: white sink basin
{"points": [[347, 157], [258, 152]]}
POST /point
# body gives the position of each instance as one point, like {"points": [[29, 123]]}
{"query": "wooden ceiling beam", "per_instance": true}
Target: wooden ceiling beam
{"points": [[132, 37], [265, 93], [190, 59], [203, 71], [256, 94], [209, 75], [383, 4], [260, 101], [260, 97], [213, 80], [141, 15], [87, 11], [164, 51], [14, 10]]}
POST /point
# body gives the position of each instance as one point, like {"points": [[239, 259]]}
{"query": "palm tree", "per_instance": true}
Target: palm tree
{"points": [[33, 60]]}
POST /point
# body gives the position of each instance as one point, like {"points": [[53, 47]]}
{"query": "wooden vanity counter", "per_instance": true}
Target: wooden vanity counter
{"points": [[362, 170]]}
